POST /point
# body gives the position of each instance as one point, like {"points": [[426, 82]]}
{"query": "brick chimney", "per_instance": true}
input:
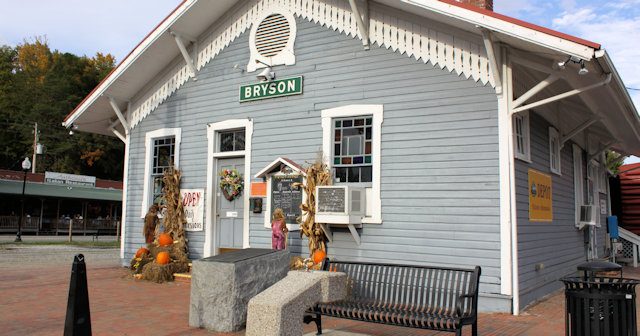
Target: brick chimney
{"points": [[484, 4]]}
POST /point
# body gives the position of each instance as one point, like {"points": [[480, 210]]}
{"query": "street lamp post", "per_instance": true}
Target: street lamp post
{"points": [[26, 165]]}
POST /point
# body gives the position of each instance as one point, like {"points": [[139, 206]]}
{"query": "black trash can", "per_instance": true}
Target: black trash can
{"points": [[600, 306]]}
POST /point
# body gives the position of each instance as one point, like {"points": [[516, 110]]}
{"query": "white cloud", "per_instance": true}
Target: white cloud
{"points": [[614, 28], [571, 20]]}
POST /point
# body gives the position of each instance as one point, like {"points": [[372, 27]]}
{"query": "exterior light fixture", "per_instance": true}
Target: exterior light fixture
{"points": [[583, 69], [266, 74]]}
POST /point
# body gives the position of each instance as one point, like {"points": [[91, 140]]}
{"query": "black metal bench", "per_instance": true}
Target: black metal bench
{"points": [[426, 297]]}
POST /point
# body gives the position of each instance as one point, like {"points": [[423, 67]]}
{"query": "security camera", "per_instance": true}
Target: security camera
{"points": [[266, 75]]}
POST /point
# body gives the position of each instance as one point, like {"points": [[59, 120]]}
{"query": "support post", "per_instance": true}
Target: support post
{"points": [[36, 137], [363, 25], [563, 95], [534, 90], [493, 60], [185, 54], [635, 255], [577, 130], [118, 134], [118, 112]]}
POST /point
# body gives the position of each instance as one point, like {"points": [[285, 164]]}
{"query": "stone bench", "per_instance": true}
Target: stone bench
{"points": [[280, 309]]}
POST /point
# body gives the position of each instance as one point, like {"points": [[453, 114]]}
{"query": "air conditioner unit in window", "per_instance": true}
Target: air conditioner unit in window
{"points": [[586, 216], [340, 204]]}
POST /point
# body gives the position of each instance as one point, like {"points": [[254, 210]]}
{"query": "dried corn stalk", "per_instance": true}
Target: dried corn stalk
{"points": [[318, 174], [174, 218]]}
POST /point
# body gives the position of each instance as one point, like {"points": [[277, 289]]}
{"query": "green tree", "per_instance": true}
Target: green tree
{"points": [[40, 85]]}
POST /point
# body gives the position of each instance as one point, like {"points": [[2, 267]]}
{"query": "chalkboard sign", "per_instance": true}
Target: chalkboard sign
{"points": [[286, 196], [331, 200]]}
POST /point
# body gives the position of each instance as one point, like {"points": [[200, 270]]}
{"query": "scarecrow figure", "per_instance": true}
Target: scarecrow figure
{"points": [[150, 222]]}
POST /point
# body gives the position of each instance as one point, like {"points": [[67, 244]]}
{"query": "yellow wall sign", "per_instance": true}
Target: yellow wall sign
{"points": [[540, 197]]}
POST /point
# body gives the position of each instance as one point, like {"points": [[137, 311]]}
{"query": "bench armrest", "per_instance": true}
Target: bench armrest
{"points": [[461, 299]]}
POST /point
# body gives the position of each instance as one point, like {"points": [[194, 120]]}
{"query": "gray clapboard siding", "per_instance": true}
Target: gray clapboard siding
{"points": [[439, 148], [558, 245]]}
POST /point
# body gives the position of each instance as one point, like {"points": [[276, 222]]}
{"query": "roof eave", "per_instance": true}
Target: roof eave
{"points": [[502, 24], [113, 76]]}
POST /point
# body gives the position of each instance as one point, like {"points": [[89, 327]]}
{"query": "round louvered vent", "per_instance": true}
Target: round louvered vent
{"points": [[272, 35]]}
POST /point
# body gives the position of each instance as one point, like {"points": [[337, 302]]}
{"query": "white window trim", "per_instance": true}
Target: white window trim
{"points": [[284, 57], [149, 138], [595, 178], [526, 156], [213, 154], [377, 111], [554, 135]]}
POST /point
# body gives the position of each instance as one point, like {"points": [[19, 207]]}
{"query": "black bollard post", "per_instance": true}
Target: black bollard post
{"points": [[78, 321]]}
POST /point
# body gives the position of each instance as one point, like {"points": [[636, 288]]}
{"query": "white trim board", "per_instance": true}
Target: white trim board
{"points": [[148, 143], [212, 155], [377, 111], [125, 184]]}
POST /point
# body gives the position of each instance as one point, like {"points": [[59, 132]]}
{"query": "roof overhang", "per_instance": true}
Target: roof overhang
{"points": [[193, 18], [146, 61]]}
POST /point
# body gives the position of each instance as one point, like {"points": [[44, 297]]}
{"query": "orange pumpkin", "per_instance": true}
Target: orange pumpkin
{"points": [[318, 256], [141, 251], [163, 258], [165, 239]]}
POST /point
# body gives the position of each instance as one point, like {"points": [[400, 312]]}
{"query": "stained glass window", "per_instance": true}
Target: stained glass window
{"points": [[352, 154]]}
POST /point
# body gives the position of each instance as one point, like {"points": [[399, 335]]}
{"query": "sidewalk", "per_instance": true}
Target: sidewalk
{"points": [[33, 299]]}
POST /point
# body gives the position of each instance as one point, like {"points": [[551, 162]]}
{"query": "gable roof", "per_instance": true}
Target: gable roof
{"points": [[194, 18]]}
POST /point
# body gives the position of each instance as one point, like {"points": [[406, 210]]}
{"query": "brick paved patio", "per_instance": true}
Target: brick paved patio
{"points": [[33, 300]]}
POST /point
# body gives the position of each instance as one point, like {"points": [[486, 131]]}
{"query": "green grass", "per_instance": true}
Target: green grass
{"points": [[96, 244]]}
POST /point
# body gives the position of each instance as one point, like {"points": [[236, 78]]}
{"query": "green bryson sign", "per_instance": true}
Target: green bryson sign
{"points": [[277, 88]]}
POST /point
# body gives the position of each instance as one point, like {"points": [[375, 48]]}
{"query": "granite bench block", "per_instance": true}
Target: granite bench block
{"points": [[279, 310], [222, 286]]}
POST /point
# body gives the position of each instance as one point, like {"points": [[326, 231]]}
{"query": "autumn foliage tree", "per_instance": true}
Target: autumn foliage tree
{"points": [[41, 85]]}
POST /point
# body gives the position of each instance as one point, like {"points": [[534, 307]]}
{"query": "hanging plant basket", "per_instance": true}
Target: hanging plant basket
{"points": [[231, 183]]}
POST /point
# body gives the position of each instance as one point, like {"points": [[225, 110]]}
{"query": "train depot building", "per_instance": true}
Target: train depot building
{"points": [[456, 136]]}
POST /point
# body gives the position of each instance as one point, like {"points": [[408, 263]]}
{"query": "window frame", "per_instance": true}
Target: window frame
{"points": [[525, 154], [150, 138], [555, 152], [374, 215]]}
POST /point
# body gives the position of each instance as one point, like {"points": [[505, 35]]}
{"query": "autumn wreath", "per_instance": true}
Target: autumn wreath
{"points": [[231, 183]]}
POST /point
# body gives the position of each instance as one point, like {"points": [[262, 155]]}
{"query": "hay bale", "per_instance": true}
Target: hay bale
{"points": [[157, 273], [137, 264], [163, 273]]}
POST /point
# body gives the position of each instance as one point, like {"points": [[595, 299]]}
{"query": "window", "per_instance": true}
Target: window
{"points": [[162, 148], [232, 141], [352, 146], [163, 158], [554, 151], [352, 155], [604, 181], [521, 136]]}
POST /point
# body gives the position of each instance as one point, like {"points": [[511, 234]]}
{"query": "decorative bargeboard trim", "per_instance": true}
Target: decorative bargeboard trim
{"points": [[416, 40]]}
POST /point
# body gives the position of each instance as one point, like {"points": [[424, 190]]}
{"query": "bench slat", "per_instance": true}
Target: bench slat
{"points": [[414, 296]]}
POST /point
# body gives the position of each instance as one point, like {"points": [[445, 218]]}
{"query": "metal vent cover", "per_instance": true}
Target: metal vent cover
{"points": [[272, 35]]}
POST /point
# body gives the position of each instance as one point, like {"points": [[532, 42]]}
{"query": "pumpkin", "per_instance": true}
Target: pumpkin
{"points": [[318, 256], [163, 258], [142, 251], [165, 239]]}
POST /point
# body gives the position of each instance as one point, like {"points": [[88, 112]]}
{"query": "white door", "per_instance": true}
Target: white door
{"points": [[229, 214]]}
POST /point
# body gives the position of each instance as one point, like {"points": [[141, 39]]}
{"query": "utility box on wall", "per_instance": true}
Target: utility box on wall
{"points": [[340, 204]]}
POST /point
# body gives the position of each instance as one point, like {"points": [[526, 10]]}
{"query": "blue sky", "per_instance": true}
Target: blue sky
{"points": [[85, 27]]}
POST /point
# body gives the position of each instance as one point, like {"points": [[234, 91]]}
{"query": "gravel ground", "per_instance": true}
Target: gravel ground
{"points": [[14, 255]]}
